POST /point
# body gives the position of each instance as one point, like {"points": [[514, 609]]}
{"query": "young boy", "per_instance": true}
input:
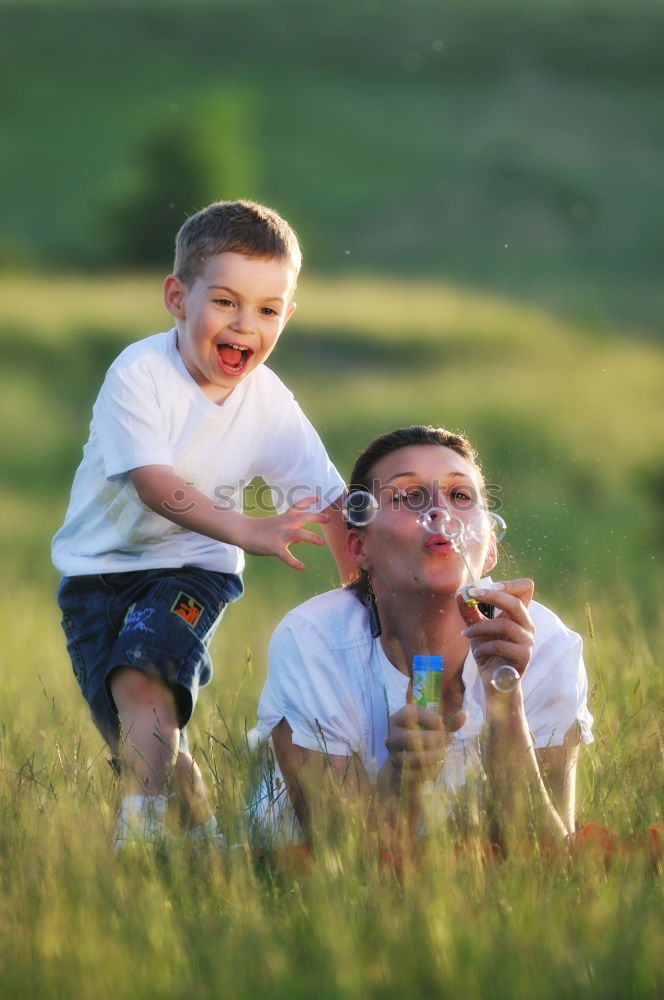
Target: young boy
{"points": [[153, 543]]}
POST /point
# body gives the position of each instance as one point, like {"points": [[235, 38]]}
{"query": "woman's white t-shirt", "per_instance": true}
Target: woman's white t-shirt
{"points": [[336, 688]]}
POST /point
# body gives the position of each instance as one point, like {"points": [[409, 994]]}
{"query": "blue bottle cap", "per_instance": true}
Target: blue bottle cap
{"points": [[427, 663]]}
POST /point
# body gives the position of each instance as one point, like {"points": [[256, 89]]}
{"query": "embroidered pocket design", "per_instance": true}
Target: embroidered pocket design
{"points": [[186, 608], [137, 620]]}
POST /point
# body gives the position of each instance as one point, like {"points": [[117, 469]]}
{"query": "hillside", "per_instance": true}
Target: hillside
{"points": [[511, 147]]}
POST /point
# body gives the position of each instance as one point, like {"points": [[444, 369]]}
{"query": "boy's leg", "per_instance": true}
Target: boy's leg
{"points": [[158, 663], [152, 761], [147, 752], [150, 730], [93, 611], [139, 648], [190, 788]]}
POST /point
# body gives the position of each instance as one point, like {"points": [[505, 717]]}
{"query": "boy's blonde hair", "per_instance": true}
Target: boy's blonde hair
{"points": [[234, 227]]}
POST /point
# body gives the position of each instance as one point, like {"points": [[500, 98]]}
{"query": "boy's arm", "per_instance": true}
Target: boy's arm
{"points": [[336, 536], [163, 491]]}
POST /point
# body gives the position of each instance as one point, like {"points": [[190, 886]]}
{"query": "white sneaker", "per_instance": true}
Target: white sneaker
{"points": [[141, 820], [206, 833]]}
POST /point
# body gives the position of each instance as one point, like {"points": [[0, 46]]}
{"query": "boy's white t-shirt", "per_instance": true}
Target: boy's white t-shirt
{"points": [[336, 688], [151, 412]]}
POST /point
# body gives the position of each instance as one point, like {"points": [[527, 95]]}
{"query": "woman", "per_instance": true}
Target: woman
{"points": [[336, 699]]}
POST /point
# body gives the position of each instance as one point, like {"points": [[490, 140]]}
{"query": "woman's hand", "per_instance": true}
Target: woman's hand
{"points": [[520, 797], [506, 638], [417, 743]]}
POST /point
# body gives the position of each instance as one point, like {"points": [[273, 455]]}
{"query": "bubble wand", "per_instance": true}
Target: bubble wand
{"points": [[439, 521]]}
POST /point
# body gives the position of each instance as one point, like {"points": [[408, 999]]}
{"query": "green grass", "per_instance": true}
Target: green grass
{"points": [[566, 418], [78, 922]]}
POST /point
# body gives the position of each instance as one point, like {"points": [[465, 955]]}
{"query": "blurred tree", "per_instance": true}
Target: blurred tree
{"points": [[171, 179]]}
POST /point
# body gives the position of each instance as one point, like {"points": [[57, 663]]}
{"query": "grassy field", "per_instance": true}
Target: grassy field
{"points": [[77, 922], [559, 413]]}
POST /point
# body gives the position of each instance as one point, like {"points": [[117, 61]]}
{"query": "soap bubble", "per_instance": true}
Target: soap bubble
{"points": [[505, 678], [499, 526], [439, 521], [474, 533], [478, 531], [360, 508]]}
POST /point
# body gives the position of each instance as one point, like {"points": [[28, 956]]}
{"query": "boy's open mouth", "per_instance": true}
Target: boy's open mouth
{"points": [[232, 358]]}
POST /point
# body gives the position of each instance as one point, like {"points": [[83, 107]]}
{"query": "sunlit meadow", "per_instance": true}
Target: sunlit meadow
{"points": [[540, 398]]}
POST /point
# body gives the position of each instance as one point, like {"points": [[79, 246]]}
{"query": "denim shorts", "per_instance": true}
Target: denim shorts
{"points": [[158, 620]]}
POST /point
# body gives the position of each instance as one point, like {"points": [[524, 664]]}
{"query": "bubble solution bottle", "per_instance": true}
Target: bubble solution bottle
{"points": [[427, 678], [427, 682]]}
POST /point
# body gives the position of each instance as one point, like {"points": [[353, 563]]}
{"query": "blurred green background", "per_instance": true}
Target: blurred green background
{"points": [[478, 188]]}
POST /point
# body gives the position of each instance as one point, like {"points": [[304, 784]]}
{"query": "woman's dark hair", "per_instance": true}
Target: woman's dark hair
{"points": [[362, 477]]}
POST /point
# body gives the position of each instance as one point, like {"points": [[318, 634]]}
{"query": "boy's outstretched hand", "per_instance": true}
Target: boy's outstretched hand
{"points": [[272, 536], [160, 488]]}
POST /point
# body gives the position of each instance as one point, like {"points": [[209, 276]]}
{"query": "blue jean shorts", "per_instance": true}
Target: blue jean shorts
{"points": [[160, 621]]}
